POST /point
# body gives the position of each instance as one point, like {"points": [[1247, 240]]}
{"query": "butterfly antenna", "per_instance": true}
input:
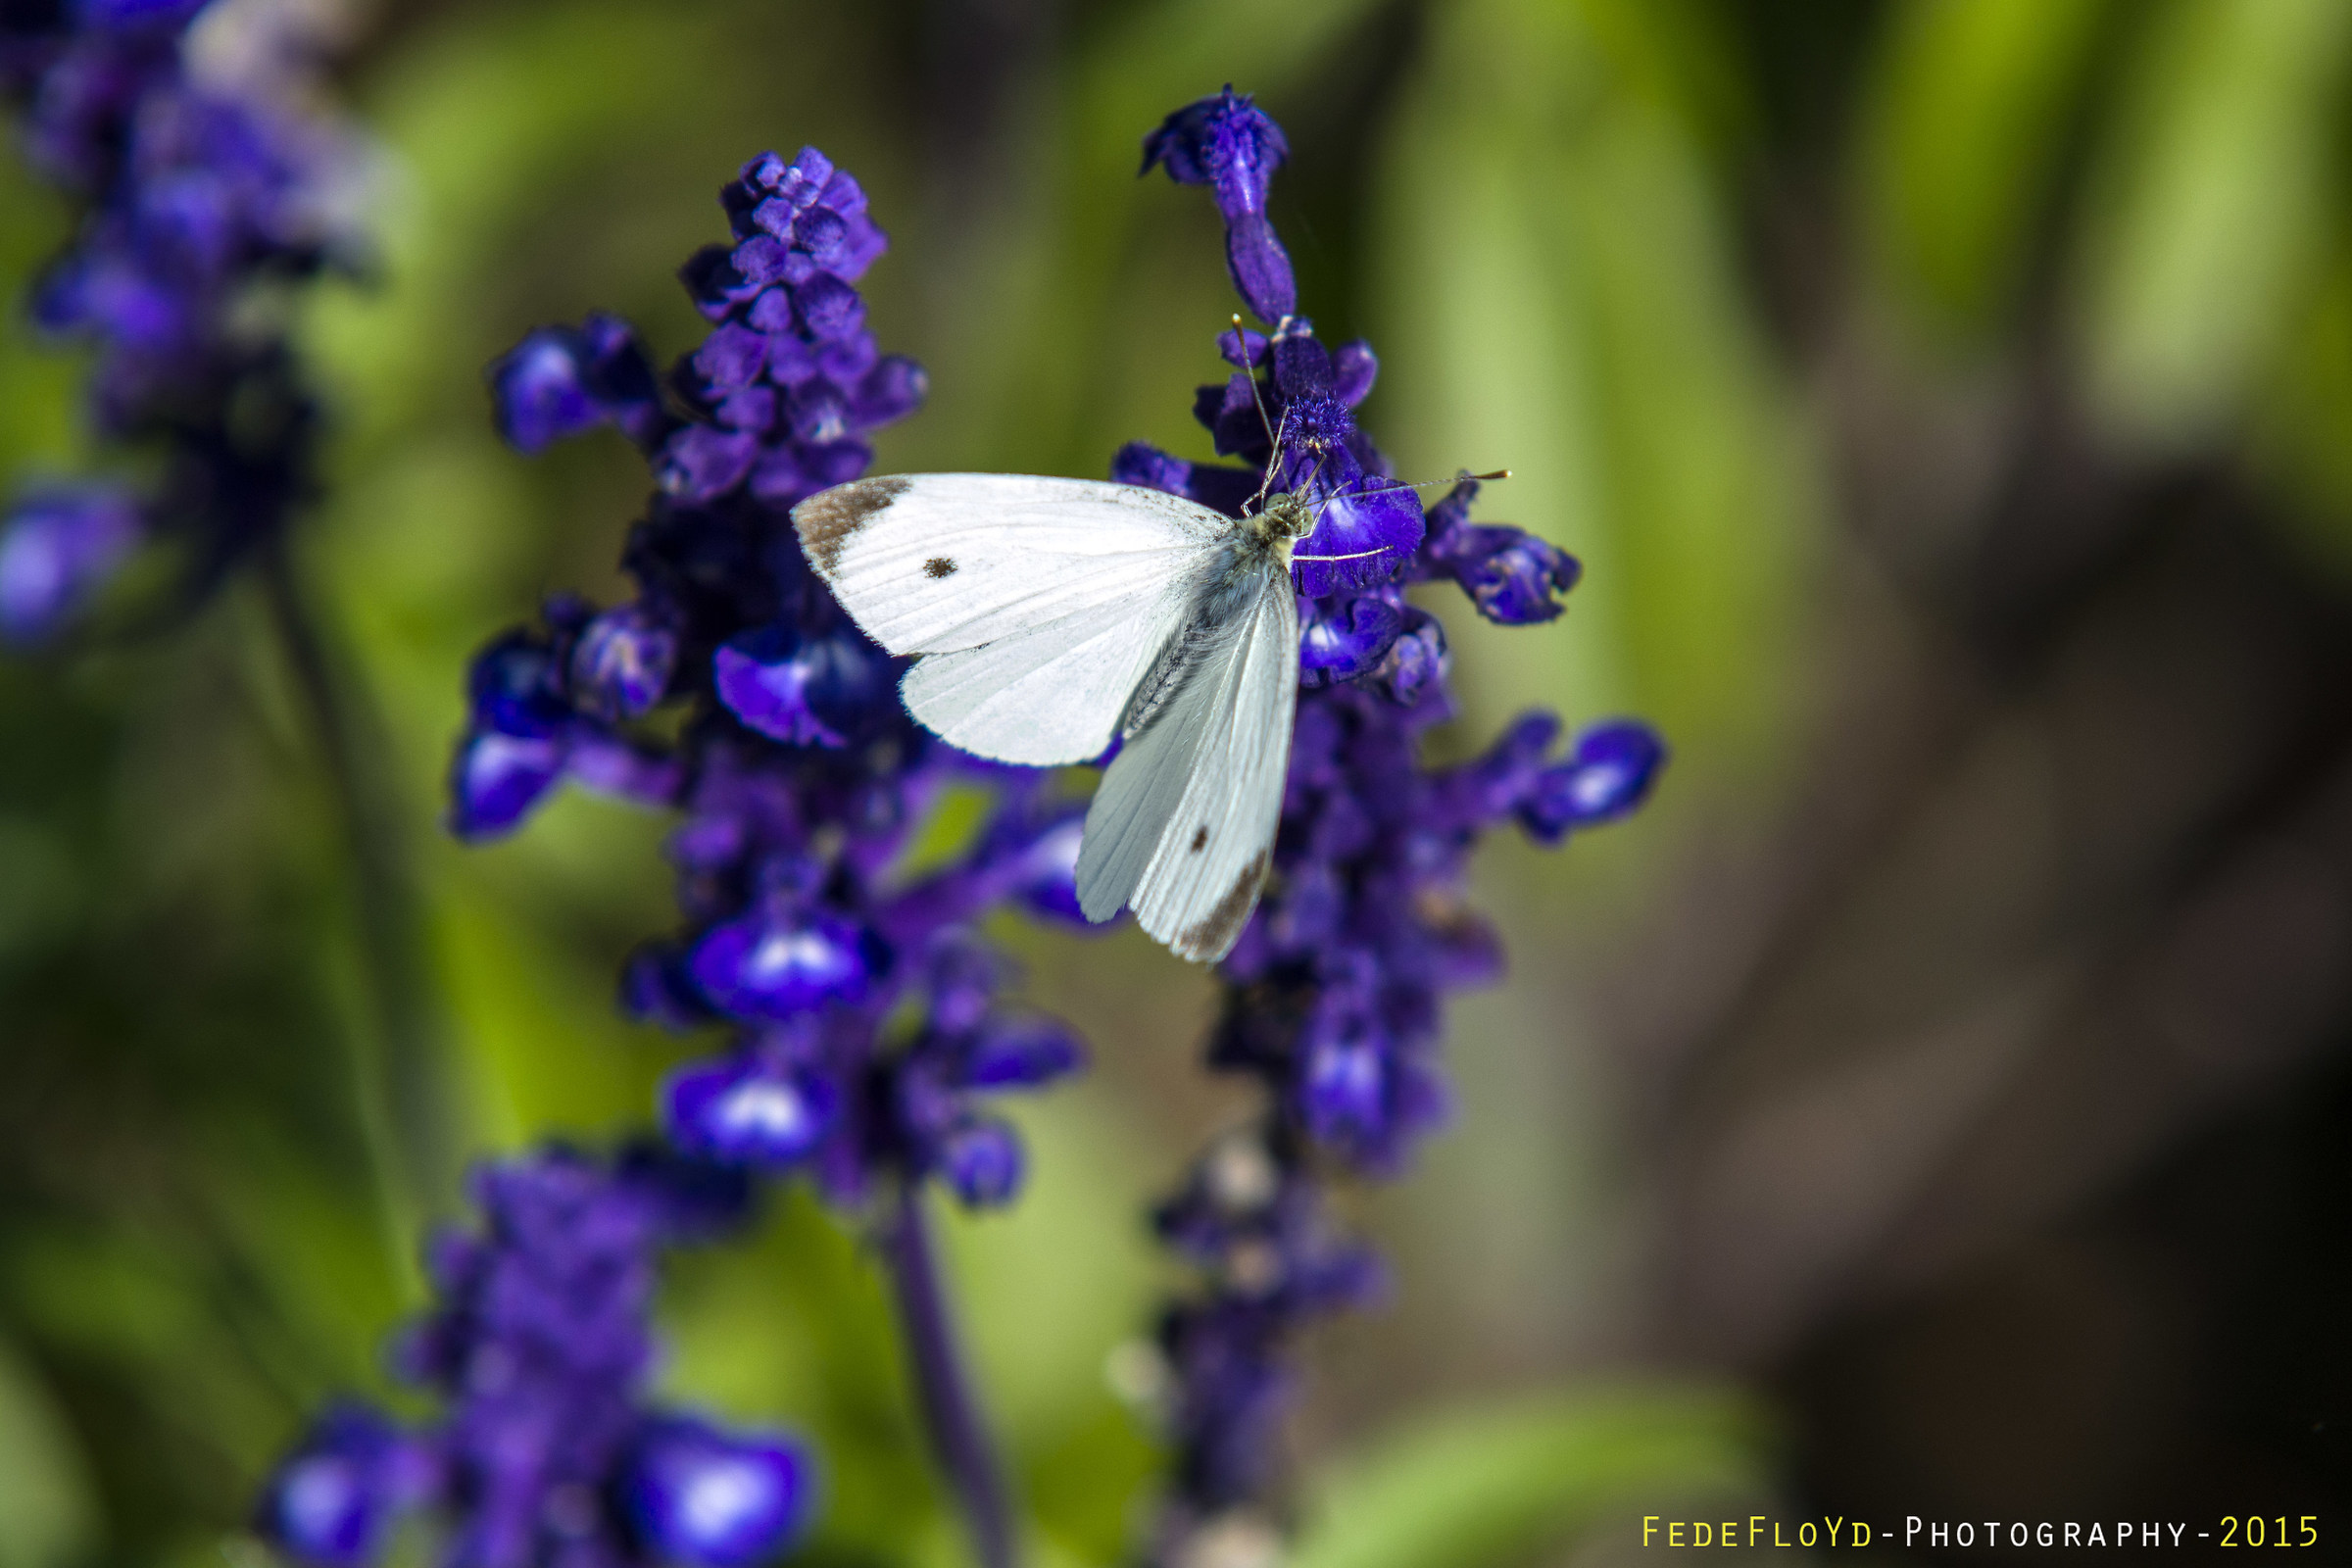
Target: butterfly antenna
{"points": [[1240, 342], [1423, 484]]}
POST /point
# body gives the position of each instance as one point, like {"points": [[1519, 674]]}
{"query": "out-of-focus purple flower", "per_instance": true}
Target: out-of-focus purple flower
{"points": [[193, 194], [1229, 144], [333, 1501], [561, 381], [546, 1450], [57, 548], [704, 1498], [1334, 993]]}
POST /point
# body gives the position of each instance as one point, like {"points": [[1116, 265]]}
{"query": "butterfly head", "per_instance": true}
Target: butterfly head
{"points": [[1287, 517]]}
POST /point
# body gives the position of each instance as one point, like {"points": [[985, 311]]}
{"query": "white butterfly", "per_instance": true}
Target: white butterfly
{"points": [[1053, 615]]}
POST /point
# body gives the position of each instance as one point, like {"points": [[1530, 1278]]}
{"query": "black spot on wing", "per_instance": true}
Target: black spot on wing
{"points": [[1208, 939], [938, 567], [826, 521], [1201, 838]]}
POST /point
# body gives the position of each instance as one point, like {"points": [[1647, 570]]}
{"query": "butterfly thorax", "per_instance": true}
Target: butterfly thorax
{"points": [[1284, 520]]}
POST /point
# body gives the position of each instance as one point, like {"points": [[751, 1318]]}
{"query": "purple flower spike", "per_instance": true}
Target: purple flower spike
{"points": [[57, 550], [701, 1498], [190, 198], [538, 1350], [1229, 144], [1334, 995]]}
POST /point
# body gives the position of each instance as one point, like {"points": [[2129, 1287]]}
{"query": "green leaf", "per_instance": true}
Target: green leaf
{"points": [[1577, 314], [1488, 1484], [47, 1513], [1961, 139], [2209, 209]]}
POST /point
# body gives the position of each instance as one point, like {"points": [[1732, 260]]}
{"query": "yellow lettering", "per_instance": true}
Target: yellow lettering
{"points": [[1650, 1526], [1755, 1522], [1674, 1534]]}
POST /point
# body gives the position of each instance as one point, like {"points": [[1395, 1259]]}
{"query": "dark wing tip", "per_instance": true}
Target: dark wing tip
{"points": [[826, 519], [1213, 935]]}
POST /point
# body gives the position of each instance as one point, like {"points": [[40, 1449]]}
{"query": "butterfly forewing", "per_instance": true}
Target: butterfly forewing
{"points": [[1183, 825], [934, 562]]}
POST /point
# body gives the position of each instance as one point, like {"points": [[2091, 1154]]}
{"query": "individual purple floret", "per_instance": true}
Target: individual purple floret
{"points": [[705, 1498], [57, 548], [1333, 995], [1229, 144], [337, 1498], [194, 195], [547, 1450]]}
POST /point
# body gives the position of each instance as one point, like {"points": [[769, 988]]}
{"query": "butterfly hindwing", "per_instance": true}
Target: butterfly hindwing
{"points": [[1053, 694], [1183, 825]]}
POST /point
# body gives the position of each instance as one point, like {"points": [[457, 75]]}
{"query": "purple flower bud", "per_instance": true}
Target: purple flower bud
{"points": [[1229, 144], [332, 1502], [1023, 1056], [1343, 1087], [614, 766], [511, 688], [889, 392], [1417, 662], [806, 690], [57, 548], [753, 969], [561, 381], [497, 778], [731, 356], [701, 463], [1607, 775], [621, 661], [1513, 577], [983, 1163], [743, 1111], [704, 1498]]}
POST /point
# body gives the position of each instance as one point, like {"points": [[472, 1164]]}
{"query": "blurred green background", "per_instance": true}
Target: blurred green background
{"points": [[1936, 1103]]}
